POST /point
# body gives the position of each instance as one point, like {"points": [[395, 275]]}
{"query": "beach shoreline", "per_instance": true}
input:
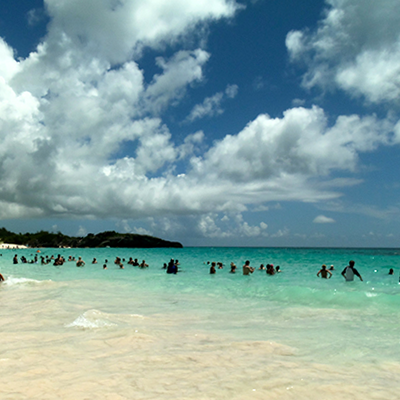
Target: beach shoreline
{"points": [[12, 246]]}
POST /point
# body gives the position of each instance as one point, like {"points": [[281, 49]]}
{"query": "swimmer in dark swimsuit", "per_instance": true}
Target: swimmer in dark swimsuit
{"points": [[233, 268], [324, 272], [80, 262], [212, 268]]}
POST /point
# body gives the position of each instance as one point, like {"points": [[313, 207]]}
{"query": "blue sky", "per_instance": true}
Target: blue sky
{"points": [[210, 122]]}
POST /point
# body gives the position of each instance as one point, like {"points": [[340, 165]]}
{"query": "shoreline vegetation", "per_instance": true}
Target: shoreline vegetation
{"points": [[11, 240]]}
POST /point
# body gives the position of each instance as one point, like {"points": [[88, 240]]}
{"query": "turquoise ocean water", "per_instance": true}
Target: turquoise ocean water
{"points": [[89, 333]]}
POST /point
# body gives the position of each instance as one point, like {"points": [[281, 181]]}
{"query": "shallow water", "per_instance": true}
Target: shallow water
{"points": [[88, 333]]}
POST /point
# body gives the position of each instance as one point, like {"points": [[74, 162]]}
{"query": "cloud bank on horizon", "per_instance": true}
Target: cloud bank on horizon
{"points": [[85, 132]]}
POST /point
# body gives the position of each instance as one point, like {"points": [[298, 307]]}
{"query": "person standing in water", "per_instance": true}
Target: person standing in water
{"points": [[247, 270], [80, 262], [233, 268], [324, 272], [172, 267], [212, 268], [349, 272]]}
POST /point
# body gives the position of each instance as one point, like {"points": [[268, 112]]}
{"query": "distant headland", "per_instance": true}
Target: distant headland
{"points": [[103, 239]]}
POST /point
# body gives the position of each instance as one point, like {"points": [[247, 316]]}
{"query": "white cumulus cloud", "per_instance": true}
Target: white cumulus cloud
{"points": [[84, 134], [321, 219], [211, 106], [356, 48]]}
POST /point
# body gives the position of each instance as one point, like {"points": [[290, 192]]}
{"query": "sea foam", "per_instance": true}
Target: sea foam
{"points": [[12, 281], [91, 319]]}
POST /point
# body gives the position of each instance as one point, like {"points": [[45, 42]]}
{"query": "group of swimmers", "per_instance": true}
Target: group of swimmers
{"points": [[25, 261], [348, 273], [172, 267], [247, 270], [118, 261], [60, 260]]}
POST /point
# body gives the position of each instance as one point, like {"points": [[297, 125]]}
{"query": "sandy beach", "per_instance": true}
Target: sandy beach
{"points": [[12, 246]]}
